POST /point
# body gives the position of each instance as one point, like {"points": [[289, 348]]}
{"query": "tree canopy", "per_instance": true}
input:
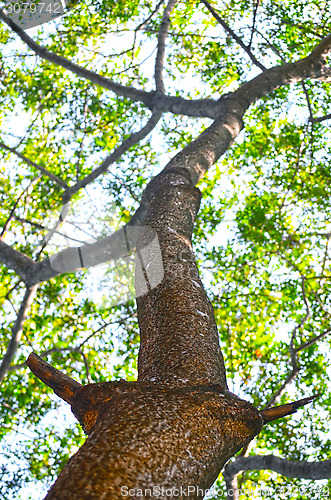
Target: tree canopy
{"points": [[94, 105]]}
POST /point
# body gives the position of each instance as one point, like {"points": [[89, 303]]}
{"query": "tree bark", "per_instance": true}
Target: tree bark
{"points": [[178, 424]]}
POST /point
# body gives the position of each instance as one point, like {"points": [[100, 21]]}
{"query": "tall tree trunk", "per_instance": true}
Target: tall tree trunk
{"points": [[178, 424]]}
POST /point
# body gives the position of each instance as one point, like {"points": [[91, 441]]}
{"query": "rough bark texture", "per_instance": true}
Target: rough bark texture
{"points": [[178, 424], [147, 436], [178, 333]]}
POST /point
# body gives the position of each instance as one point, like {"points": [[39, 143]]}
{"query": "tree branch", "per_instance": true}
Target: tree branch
{"points": [[276, 412], [65, 387], [41, 169], [44, 354], [152, 14], [132, 140], [232, 492], [313, 340], [118, 89], [195, 159], [312, 66], [288, 468], [161, 39], [320, 118], [239, 41], [17, 330], [256, 7], [176, 105], [293, 352], [12, 212], [45, 228], [278, 394], [15, 260]]}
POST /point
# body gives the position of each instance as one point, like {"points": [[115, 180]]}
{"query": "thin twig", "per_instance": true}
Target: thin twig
{"points": [[45, 228], [239, 41], [42, 169], [118, 89], [293, 352], [297, 165], [256, 6], [95, 332], [12, 212], [303, 85], [143, 25], [117, 153], [88, 375], [312, 341], [44, 354]]}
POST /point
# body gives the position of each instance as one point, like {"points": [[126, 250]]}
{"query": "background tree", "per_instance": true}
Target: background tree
{"points": [[117, 92]]}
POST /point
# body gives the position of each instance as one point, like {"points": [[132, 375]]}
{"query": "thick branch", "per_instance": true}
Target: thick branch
{"points": [[177, 105], [312, 66], [195, 159], [15, 260], [288, 468], [65, 387], [17, 330]]}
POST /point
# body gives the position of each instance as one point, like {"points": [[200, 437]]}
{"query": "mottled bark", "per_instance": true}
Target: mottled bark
{"points": [[149, 436], [178, 424], [178, 333]]}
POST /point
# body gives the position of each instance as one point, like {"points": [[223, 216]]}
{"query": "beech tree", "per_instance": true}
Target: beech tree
{"points": [[182, 147]]}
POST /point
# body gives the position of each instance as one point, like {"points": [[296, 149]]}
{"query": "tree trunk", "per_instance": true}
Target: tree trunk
{"points": [[178, 424]]}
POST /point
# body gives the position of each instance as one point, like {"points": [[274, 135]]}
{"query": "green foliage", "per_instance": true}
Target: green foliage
{"points": [[262, 235]]}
